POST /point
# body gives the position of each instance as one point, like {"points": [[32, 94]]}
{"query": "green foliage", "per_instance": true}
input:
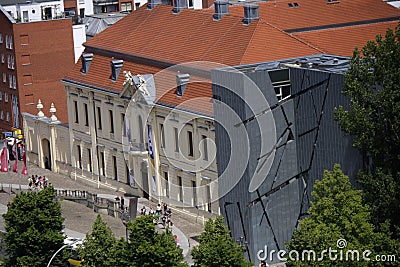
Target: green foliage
{"points": [[149, 248], [373, 118], [337, 212], [98, 245], [34, 228], [216, 248], [146, 247]]}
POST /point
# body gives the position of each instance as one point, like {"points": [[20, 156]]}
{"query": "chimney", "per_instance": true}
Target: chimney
{"points": [[221, 8], [181, 81], [250, 13], [152, 3], [179, 5], [86, 60], [116, 66]]}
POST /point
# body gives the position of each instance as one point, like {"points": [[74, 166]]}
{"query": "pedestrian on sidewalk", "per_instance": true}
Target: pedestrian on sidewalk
{"points": [[177, 240]]}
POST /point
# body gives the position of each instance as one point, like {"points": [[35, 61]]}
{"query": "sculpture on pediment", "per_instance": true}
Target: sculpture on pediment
{"points": [[136, 82]]}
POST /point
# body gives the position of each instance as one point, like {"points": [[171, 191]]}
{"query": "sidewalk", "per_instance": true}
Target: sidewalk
{"points": [[184, 243]]}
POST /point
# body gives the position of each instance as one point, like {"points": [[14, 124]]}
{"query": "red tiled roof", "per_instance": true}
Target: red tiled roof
{"points": [[160, 37], [100, 72], [159, 34], [342, 41], [317, 13]]}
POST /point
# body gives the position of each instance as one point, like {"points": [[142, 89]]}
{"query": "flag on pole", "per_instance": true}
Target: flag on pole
{"points": [[150, 141], [24, 169], [15, 153], [4, 157]]}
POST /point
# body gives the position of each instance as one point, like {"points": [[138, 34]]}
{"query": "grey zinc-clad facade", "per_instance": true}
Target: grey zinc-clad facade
{"points": [[292, 138]]}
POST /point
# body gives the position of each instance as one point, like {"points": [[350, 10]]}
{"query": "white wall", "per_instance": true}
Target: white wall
{"points": [[79, 36], [87, 5], [35, 10]]}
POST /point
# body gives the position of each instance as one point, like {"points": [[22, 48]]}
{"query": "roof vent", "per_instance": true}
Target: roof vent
{"points": [[152, 3], [86, 60], [181, 81], [221, 8], [116, 66], [179, 5], [250, 13]]}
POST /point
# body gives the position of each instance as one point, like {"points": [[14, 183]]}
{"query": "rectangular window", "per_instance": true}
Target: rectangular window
{"points": [[127, 178], [85, 107], [78, 150], [166, 184], [89, 151], [4, 78], [127, 7], [25, 17], [194, 194], [190, 3], [115, 168], [3, 58], [137, 5], [76, 111], [24, 39], [208, 198], [12, 62], [14, 82], [2, 115], [25, 60], [1, 38], [190, 143], [123, 124], [176, 139], [110, 112], [8, 117], [6, 97], [180, 196], [1, 95], [103, 165], [9, 61], [162, 135], [27, 79], [10, 80], [205, 148], [99, 126]]}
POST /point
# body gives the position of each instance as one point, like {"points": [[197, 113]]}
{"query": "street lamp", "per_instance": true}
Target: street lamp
{"points": [[64, 246]]}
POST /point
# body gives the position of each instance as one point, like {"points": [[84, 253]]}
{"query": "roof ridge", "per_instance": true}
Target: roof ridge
{"points": [[293, 36], [250, 40]]}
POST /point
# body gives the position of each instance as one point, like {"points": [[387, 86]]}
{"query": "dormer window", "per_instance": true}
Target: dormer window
{"points": [[181, 82], [116, 66]]}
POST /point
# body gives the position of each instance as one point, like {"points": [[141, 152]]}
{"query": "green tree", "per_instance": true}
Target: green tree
{"points": [[216, 248], [34, 227], [337, 212], [98, 247], [373, 118], [148, 248]]}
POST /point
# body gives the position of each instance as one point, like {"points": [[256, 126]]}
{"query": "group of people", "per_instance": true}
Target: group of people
{"points": [[162, 214], [38, 182]]}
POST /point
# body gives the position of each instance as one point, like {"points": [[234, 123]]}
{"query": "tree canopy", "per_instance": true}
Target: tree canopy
{"points": [[146, 247], [337, 213], [34, 227], [216, 248], [98, 245], [373, 118]]}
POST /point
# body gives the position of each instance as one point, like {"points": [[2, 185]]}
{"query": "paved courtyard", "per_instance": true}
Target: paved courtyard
{"points": [[78, 217]]}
